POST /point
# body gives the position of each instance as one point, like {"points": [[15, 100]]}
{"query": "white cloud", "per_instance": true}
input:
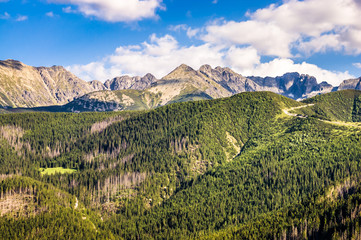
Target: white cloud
{"points": [[68, 10], [21, 18], [95, 70], [321, 44], [358, 65], [241, 59], [161, 55], [191, 32], [158, 56], [267, 38], [292, 28], [50, 14], [115, 11], [295, 25], [178, 28], [5, 16]]}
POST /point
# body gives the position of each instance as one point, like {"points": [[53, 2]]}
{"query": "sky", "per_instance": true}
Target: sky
{"points": [[102, 39]]}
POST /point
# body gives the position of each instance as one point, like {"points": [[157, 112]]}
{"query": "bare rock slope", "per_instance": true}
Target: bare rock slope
{"points": [[26, 86]]}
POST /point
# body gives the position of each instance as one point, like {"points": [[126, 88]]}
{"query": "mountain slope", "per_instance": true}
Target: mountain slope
{"points": [[332, 213], [50, 212], [119, 100], [25, 86], [188, 170], [343, 105]]}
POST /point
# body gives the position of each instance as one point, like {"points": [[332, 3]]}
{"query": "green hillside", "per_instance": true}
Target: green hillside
{"points": [[213, 168], [333, 213], [342, 105], [34, 210]]}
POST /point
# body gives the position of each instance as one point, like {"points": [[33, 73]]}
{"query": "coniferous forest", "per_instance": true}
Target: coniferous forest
{"points": [[253, 166]]}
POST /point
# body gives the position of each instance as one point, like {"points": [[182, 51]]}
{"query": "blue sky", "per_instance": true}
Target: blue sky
{"points": [[100, 39]]}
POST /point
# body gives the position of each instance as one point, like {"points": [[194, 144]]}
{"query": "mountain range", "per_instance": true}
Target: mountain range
{"points": [[56, 89], [256, 165]]}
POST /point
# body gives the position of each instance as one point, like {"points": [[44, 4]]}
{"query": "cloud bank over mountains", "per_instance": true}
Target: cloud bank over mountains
{"points": [[282, 33], [114, 11]]}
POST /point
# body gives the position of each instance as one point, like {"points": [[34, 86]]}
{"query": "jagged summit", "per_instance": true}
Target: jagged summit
{"points": [[181, 72], [184, 67], [205, 68], [26, 86], [127, 82], [351, 84]]}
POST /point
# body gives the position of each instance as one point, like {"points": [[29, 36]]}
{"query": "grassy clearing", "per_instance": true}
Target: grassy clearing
{"points": [[51, 171]]}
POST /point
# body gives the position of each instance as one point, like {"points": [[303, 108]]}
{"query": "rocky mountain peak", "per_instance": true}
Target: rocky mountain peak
{"points": [[97, 85], [351, 84], [58, 68], [10, 63], [290, 76], [205, 68], [184, 67], [127, 82], [150, 77], [181, 72], [219, 69]]}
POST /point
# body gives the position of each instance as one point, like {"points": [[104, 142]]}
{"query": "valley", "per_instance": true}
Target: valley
{"points": [[171, 119], [246, 166]]}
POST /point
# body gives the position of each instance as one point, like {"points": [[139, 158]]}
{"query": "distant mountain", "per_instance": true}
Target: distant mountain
{"points": [[29, 87], [26, 86], [293, 85], [186, 84], [126, 82], [118, 100], [181, 85], [351, 84]]}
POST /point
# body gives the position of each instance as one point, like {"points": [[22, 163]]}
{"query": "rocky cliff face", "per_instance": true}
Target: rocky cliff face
{"points": [[97, 85], [350, 84], [126, 82], [26, 86], [229, 80], [292, 85]]}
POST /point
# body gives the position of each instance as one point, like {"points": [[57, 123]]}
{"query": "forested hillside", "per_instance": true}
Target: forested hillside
{"points": [[235, 167], [337, 106]]}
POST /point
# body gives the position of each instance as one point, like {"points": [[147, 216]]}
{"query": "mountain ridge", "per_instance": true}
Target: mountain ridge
{"points": [[27, 87]]}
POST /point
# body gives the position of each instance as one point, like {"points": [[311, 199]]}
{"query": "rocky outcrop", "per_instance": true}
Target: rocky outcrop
{"points": [[97, 85], [293, 85], [26, 86], [350, 84], [230, 80], [126, 82]]}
